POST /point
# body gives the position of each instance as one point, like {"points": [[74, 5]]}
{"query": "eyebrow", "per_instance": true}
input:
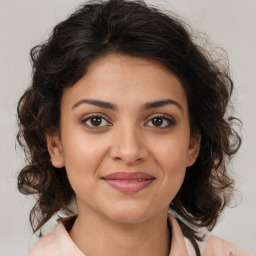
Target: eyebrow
{"points": [[146, 106], [97, 103]]}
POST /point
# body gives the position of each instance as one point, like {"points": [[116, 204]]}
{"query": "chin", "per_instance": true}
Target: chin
{"points": [[128, 215]]}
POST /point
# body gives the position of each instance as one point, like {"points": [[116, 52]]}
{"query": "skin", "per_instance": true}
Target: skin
{"points": [[127, 139]]}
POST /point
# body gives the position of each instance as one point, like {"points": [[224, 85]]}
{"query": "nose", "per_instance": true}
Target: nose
{"points": [[128, 146]]}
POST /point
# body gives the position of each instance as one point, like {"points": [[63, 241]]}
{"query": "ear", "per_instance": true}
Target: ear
{"points": [[55, 150], [193, 149]]}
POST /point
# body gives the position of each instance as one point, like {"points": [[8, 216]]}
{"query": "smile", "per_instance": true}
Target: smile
{"points": [[127, 182]]}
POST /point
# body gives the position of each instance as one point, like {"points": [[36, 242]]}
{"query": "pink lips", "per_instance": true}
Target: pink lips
{"points": [[129, 182]]}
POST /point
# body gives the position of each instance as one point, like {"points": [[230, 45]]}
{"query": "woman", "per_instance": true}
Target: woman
{"points": [[127, 131]]}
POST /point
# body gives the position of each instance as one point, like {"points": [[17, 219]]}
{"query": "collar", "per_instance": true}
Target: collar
{"points": [[178, 245]]}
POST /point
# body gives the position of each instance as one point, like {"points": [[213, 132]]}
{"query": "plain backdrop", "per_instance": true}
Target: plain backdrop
{"points": [[25, 23]]}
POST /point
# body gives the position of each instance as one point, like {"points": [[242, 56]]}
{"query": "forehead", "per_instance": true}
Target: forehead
{"points": [[126, 80]]}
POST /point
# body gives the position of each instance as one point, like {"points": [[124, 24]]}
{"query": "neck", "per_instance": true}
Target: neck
{"points": [[96, 235]]}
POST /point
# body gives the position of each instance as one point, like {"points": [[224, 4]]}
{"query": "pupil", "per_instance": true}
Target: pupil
{"points": [[157, 121], [96, 121]]}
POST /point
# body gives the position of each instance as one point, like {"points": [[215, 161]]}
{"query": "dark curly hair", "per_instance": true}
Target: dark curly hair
{"points": [[133, 28]]}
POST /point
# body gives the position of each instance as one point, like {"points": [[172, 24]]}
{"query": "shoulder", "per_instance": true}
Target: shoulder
{"points": [[218, 246], [211, 245], [57, 242], [48, 243]]}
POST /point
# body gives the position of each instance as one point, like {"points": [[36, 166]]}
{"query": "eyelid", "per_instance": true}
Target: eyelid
{"points": [[169, 119], [166, 117], [90, 116]]}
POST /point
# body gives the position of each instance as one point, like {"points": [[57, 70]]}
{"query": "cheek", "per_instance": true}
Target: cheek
{"points": [[172, 154], [82, 157], [173, 167], [172, 159]]}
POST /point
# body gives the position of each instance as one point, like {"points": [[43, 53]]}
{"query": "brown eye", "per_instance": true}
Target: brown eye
{"points": [[95, 122], [161, 122], [157, 121]]}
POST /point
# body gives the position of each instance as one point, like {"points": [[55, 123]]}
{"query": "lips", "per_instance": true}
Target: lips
{"points": [[128, 182]]}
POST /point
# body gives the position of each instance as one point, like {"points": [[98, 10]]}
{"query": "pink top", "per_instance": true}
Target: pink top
{"points": [[59, 243]]}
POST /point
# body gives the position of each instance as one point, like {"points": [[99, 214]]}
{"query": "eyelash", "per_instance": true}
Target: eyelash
{"points": [[90, 117], [170, 121]]}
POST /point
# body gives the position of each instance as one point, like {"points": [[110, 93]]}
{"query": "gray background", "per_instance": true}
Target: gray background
{"points": [[24, 23]]}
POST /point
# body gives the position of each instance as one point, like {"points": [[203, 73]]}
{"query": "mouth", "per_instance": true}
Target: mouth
{"points": [[128, 182]]}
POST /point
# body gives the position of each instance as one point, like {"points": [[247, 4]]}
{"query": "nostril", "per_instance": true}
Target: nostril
{"points": [[128, 149]]}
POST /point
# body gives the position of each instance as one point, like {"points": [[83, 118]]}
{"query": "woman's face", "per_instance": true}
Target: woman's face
{"points": [[124, 138]]}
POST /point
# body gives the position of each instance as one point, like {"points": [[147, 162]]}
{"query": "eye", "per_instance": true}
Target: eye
{"points": [[161, 121], [95, 121]]}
